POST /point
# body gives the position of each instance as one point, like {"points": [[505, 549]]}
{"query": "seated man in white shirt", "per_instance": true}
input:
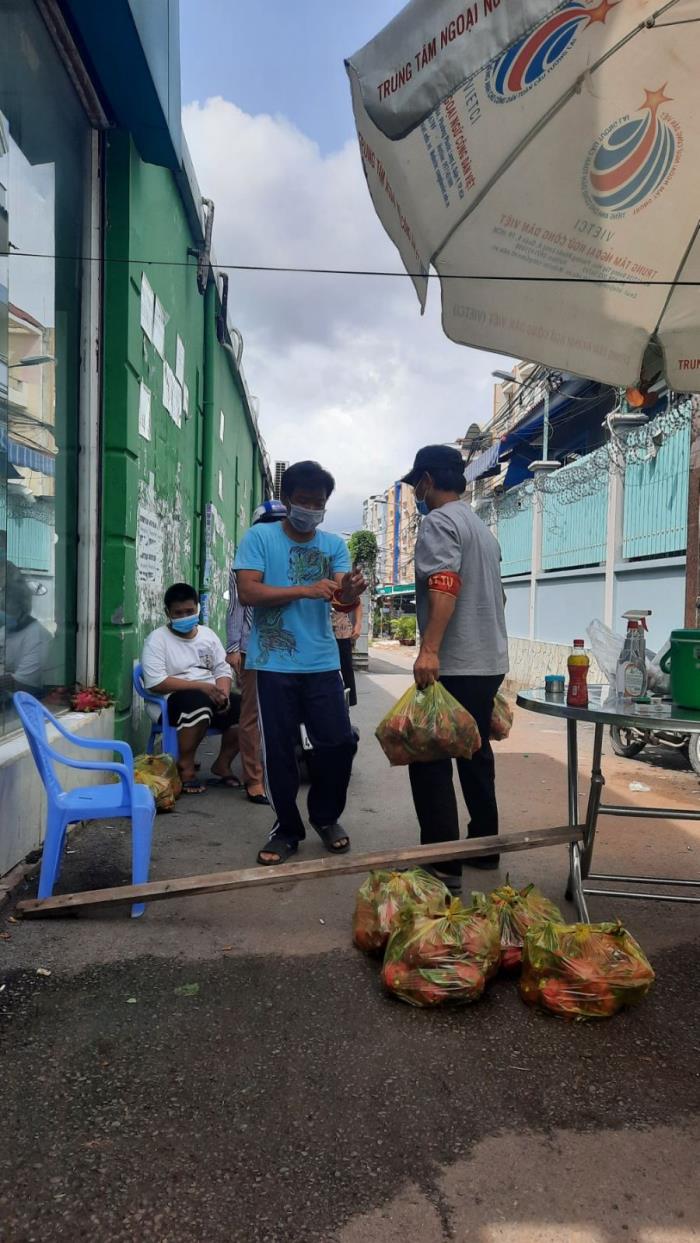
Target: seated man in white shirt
{"points": [[186, 662]]}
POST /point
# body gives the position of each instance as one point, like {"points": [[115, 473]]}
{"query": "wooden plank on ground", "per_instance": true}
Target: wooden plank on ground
{"points": [[313, 869]]}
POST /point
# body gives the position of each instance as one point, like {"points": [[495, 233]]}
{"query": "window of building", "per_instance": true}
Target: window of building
{"points": [[44, 163]]}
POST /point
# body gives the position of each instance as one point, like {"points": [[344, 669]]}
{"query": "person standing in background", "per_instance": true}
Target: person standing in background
{"points": [[464, 645], [239, 621], [347, 628]]}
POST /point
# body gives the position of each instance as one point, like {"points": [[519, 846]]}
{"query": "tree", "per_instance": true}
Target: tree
{"points": [[364, 551]]}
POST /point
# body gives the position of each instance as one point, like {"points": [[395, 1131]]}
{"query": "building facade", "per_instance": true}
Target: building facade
{"points": [[605, 531], [130, 454], [393, 518], [280, 468]]}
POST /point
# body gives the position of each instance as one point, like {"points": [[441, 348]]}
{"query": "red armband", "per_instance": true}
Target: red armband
{"points": [[339, 607], [445, 581]]}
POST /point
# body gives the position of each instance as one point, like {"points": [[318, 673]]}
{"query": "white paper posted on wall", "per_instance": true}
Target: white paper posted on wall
{"points": [[144, 411], [147, 306], [180, 361], [160, 319]]}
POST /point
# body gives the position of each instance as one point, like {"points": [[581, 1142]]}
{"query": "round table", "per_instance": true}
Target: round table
{"points": [[606, 708]]}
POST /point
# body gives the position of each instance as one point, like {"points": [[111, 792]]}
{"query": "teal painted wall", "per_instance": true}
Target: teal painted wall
{"points": [[232, 479], [656, 500], [161, 511]]}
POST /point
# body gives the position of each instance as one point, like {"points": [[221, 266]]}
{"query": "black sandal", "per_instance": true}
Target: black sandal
{"points": [[280, 846], [330, 835]]}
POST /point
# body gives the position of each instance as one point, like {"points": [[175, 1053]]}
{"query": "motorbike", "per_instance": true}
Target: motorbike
{"points": [[628, 743]]}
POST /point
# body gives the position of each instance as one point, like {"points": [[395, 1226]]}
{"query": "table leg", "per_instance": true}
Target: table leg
{"points": [[572, 771], [594, 796], [574, 890]]}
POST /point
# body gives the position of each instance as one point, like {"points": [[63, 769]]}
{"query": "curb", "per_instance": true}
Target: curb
{"points": [[11, 883]]}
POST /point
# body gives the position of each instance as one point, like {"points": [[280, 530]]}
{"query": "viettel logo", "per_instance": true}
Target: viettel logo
{"points": [[633, 160], [528, 61]]}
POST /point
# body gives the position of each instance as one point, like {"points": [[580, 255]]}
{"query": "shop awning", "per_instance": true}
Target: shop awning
{"points": [[576, 413], [483, 464], [397, 589], [132, 49]]}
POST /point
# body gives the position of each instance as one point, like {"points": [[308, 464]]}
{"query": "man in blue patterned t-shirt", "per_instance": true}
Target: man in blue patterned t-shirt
{"points": [[293, 574]]}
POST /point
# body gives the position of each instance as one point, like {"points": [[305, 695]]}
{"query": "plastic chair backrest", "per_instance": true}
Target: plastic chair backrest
{"points": [[34, 717], [140, 688]]}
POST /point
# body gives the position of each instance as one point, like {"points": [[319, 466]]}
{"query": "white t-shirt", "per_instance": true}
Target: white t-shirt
{"points": [[169, 655]]}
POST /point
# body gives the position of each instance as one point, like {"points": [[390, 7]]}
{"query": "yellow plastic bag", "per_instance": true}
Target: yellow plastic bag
{"points": [[501, 718], [432, 959], [428, 725], [584, 971], [160, 766], [384, 895], [518, 910]]}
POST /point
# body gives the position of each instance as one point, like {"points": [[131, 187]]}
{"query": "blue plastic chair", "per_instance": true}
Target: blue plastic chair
{"points": [[103, 802], [161, 728]]}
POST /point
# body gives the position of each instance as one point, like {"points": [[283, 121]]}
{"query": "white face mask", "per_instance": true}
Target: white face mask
{"points": [[305, 520]]}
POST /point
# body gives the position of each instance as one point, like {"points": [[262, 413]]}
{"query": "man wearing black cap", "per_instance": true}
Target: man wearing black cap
{"points": [[461, 616]]}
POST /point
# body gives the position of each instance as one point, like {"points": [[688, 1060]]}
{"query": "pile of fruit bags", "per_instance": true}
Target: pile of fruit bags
{"points": [[518, 910], [382, 898], [584, 971], [428, 725], [438, 950]]}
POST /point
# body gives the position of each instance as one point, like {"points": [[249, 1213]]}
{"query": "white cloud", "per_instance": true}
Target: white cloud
{"points": [[346, 369]]}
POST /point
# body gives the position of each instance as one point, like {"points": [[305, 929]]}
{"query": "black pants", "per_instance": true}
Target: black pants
{"points": [[432, 786], [346, 669], [316, 700]]}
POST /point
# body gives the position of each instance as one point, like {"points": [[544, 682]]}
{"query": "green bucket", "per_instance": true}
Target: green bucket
{"points": [[683, 664]]}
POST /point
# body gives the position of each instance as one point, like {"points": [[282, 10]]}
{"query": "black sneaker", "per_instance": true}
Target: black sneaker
{"points": [[448, 879], [485, 863]]}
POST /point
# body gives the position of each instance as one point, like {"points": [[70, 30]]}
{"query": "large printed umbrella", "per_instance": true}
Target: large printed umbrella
{"points": [[544, 160]]}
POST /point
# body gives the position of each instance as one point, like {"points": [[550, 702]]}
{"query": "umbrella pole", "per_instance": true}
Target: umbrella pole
{"points": [[692, 564]]}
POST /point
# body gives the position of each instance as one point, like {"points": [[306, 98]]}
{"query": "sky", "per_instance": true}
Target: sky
{"points": [[345, 368]]}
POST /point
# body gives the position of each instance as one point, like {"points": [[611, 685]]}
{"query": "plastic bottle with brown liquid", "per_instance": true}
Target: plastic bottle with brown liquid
{"points": [[578, 665]]}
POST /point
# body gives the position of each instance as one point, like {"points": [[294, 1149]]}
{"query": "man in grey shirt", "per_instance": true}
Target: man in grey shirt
{"points": [[461, 616]]}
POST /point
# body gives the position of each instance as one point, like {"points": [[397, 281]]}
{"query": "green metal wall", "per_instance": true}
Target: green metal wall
{"points": [[161, 504], [232, 478]]}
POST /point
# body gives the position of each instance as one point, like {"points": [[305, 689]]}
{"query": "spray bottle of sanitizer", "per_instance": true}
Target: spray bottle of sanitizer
{"points": [[631, 679]]}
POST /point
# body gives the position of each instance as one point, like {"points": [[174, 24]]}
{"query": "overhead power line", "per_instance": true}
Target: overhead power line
{"points": [[379, 272]]}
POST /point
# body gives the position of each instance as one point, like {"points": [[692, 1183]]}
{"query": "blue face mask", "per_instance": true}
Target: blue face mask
{"points": [[305, 520], [184, 625], [423, 509]]}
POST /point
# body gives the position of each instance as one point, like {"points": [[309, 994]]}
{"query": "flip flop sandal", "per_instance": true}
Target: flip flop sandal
{"points": [[193, 787], [260, 800], [280, 846], [228, 783], [332, 833]]}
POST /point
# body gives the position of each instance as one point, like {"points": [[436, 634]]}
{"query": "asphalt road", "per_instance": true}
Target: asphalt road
{"points": [[284, 1098]]}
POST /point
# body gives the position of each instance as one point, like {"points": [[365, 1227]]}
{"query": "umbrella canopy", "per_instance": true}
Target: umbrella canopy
{"points": [[544, 160]]}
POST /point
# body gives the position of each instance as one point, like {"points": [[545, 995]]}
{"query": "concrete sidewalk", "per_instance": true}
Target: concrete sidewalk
{"points": [[287, 1099]]}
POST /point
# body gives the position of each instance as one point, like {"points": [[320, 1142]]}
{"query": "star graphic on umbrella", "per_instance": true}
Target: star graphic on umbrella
{"points": [[600, 12], [654, 99]]}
